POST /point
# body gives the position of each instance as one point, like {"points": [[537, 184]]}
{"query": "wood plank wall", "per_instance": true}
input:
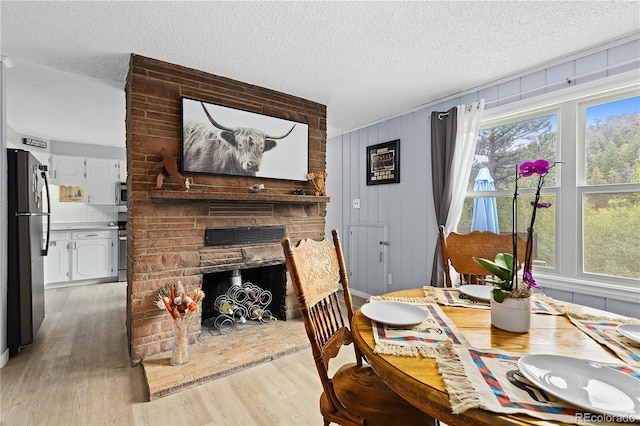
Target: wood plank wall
{"points": [[407, 208]]}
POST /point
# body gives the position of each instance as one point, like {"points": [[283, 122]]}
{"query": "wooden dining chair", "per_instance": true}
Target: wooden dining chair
{"points": [[458, 251], [354, 395]]}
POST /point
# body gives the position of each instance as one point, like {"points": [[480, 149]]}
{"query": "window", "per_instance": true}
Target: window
{"points": [[609, 187], [592, 231], [501, 148]]}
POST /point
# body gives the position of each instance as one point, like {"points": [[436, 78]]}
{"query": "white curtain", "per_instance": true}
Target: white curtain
{"points": [[468, 126]]}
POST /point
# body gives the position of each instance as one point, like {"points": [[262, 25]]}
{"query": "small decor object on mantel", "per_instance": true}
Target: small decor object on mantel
{"points": [[256, 188], [510, 304], [318, 179], [181, 305], [169, 167]]}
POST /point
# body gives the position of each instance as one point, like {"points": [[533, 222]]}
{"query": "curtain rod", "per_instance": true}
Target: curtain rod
{"points": [[469, 107]]}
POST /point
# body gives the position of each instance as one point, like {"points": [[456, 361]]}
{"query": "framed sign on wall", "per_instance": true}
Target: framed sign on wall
{"points": [[226, 141], [383, 163]]}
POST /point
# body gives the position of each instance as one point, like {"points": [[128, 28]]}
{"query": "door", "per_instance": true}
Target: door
{"points": [[102, 176], [91, 256], [368, 258], [67, 170], [122, 170], [58, 259]]}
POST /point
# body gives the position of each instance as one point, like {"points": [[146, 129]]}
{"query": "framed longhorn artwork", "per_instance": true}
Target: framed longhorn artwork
{"points": [[219, 140]]}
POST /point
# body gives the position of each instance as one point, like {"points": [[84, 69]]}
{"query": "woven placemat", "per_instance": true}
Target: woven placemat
{"points": [[422, 339], [602, 329], [540, 303], [491, 380]]}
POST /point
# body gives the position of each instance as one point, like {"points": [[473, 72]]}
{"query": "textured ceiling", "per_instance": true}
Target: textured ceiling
{"points": [[365, 60]]}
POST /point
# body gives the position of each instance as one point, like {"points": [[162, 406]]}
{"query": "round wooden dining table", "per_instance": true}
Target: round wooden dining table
{"points": [[418, 380]]}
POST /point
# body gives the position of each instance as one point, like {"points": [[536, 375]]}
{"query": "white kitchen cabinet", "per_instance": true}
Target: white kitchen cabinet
{"points": [[92, 254], [122, 175], [67, 170], [59, 258], [97, 176], [102, 176]]}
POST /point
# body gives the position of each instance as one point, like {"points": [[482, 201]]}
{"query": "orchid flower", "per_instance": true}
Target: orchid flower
{"points": [[529, 168], [527, 277], [541, 205], [505, 264]]}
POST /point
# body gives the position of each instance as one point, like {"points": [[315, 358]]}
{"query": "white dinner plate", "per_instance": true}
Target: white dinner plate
{"points": [[394, 313], [586, 384], [478, 292], [632, 331]]}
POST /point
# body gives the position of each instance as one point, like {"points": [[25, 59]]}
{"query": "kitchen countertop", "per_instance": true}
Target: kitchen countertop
{"points": [[77, 226]]}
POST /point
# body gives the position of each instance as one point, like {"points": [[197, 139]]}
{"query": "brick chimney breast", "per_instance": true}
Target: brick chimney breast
{"points": [[166, 229]]}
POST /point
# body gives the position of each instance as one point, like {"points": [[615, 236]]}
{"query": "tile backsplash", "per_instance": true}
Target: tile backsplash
{"points": [[79, 212]]}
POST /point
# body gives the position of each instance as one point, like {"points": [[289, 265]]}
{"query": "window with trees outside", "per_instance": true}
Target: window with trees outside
{"points": [[592, 229]]}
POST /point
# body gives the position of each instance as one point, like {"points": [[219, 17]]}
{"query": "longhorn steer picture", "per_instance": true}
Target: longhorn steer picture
{"points": [[219, 149]]}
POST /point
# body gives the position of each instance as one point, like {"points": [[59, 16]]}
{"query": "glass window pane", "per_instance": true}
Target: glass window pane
{"points": [[544, 227], [612, 233], [612, 141], [503, 148]]}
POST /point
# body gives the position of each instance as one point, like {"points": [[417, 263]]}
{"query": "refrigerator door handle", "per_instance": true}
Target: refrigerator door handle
{"points": [[31, 214], [45, 249]]}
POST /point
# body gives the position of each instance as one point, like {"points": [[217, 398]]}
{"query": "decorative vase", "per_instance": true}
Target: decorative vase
{"points": [[180, 354], [512, 314]]}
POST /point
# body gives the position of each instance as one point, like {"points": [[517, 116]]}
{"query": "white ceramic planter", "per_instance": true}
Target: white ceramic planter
{"points": [[512, 314]]}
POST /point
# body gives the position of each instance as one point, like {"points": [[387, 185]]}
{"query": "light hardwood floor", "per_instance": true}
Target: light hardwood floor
{"points": [[78, 372]]}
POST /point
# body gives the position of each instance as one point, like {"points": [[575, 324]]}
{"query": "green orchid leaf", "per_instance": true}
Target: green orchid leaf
{"points": [[505, 260], [499, 295], [494, 268], [504, 285]]}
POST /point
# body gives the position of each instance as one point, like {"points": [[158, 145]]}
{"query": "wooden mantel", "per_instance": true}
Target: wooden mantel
{"points": [[260, 197]]}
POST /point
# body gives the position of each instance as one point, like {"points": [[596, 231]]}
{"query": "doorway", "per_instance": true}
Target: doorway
{"points": [[368, 257]]}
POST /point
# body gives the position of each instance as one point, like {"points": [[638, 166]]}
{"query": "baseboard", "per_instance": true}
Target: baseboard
{"points": [[5, 358], [359, 293]]}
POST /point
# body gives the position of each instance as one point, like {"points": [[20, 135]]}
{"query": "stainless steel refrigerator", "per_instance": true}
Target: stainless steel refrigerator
{"points": [[28, 246]]}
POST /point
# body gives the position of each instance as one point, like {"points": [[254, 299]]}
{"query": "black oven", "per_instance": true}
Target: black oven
{"points": [[122, 250], [121, 193]]}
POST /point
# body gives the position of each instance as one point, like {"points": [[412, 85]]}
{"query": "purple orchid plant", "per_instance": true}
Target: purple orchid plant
{"points": [[505, 265]]}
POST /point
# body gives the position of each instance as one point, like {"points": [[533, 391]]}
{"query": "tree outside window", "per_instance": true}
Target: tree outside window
{"points": [[608, 155], [610, 201]]}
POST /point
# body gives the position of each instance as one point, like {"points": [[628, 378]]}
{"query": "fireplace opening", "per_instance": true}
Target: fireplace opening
{"points": [[271, 278]]}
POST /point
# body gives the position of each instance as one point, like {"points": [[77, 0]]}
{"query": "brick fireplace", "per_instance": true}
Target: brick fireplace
{"points": [[166, 228]]}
